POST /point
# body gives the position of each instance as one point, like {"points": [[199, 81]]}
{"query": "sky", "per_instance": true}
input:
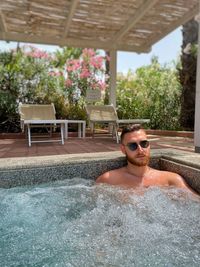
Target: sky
{"points": [[167, 50]]}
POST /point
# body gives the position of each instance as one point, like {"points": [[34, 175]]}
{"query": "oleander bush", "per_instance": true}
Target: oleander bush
{"points": [[25, 76], [30, 75]]}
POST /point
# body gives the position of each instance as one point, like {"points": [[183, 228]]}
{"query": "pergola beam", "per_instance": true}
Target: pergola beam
{"points": [[73, 42], [145, 7], [2, 23], [70, 16]]}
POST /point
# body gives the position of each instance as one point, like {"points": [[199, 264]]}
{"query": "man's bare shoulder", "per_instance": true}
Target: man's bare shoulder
{"points": [[173, 179], [110, 177]]}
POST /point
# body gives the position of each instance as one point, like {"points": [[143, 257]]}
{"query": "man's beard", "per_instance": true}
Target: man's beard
{"points": [[139, 163]]}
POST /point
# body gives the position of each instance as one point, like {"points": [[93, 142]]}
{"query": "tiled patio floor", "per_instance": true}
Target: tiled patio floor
{"points": [[19, 147]]}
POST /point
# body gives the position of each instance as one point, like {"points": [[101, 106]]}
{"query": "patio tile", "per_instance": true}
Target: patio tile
{"points": [[73, 145]]}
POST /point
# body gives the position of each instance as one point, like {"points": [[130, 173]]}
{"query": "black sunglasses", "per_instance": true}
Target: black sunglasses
{"points": [[134, 146]]}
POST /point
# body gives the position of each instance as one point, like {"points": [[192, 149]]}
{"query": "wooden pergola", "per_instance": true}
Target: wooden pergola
{"points": [[111, 25], [128, 25]]}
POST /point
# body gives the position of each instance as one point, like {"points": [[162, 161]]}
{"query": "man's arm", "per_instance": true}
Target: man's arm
{"points": [[178, 181]]}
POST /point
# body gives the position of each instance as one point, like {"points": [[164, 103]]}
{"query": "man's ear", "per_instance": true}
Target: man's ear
{"points": [[122, 147]]}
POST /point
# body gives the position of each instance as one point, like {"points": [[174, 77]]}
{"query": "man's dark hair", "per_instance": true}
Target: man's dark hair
{"points": [[130, 129]]}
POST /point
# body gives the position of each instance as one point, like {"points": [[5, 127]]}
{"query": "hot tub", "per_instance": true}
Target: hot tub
{"points": [[53, 214]]}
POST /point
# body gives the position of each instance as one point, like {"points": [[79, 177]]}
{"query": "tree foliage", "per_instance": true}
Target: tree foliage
{"points": [[187, 72], [30, 75], [152, 92], [26, 76]]}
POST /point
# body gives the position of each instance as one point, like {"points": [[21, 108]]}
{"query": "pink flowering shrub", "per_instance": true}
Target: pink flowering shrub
{"points": [[38, 78], [86, 72], [34, 52]]}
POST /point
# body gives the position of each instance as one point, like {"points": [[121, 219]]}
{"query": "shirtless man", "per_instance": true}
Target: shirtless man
{"points": [[135, 146]]}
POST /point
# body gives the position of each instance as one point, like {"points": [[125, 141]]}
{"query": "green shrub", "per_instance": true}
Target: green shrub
{"points": [[152, 92]]}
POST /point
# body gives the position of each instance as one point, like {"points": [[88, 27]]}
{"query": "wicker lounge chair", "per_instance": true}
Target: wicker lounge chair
{"points": [[36, 115], [107, 114]]}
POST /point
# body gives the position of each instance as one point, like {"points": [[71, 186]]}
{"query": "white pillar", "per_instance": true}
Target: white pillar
{"points": [[197, 101], [113, 76]]}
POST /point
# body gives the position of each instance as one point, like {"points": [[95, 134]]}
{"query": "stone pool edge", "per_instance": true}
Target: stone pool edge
{"points": [[32, 170]]}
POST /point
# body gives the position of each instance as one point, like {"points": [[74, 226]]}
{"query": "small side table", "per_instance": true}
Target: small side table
{"points": [[81, 127]]}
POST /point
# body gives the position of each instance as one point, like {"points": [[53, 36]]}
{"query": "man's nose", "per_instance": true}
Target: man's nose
{"points": [[140, 148]]}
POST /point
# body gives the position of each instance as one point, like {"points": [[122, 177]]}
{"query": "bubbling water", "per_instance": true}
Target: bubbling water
{"points": [[76, 223]]}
